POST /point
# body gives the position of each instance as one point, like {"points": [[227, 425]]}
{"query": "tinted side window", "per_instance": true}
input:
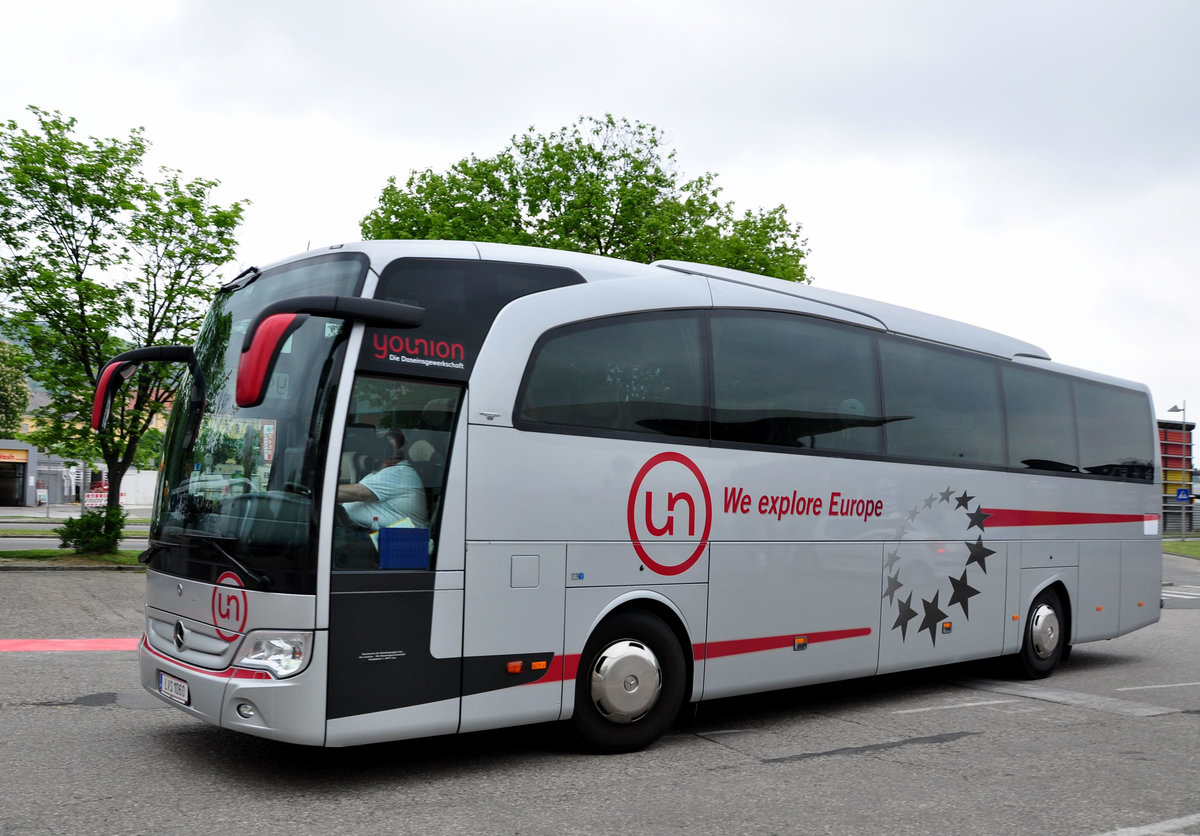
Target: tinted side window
{"points": [[640, 374], [460, 300], [1041, 420], [794, 381], [941, 404], [1115, 431]]}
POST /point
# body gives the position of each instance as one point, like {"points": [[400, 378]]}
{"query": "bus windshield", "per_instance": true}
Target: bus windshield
{"points": [[238, 487]]}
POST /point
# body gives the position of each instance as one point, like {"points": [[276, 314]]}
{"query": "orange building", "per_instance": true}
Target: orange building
{"points": [[1175, 442]]}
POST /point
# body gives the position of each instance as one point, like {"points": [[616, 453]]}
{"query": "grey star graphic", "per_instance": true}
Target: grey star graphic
{"points": [[977, 518], [963, 592], [892, 559], [945, 495], [979, 554], [907, 614], [933, 617], [963, 501], [929, 500], [894, 586], [912, 515]]}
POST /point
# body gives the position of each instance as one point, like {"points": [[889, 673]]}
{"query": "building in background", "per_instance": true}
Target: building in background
{"points": [[17, 461], [30, 477], [1175, 441]]}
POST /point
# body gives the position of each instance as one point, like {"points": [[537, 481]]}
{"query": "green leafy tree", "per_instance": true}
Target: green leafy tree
{"points": [[605, 186], [14, 388], [96, 257]]}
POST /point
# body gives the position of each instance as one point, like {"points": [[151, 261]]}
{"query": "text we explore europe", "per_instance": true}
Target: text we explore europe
{"points": [[796, 504]]}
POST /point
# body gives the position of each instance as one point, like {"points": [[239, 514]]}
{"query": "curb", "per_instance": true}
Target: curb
{"points": [[61, 567], [1177, 554]]}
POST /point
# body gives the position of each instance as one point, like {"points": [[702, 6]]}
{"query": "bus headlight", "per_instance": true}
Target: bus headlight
{"points": [[283, 653]]}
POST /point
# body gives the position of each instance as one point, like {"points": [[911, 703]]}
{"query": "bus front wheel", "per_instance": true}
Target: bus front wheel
{"points": [[1044, 644], [630, 683]]}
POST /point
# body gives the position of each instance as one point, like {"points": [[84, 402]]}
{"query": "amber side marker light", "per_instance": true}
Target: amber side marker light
{"points": [[514, 667], [538, 666]]}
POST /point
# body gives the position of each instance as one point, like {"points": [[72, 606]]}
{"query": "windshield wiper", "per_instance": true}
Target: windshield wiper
{"points": [[236, 282], [148, 555], [214, 541]]}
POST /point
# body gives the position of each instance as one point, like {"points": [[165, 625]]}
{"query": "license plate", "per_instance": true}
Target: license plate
{"points": [[173, 688]]}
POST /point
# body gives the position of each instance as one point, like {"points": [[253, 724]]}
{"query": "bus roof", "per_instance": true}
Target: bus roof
{"points": [[892, 318]]}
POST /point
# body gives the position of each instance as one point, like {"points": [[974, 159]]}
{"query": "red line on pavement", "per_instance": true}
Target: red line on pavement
{"points": [[59, 645]]}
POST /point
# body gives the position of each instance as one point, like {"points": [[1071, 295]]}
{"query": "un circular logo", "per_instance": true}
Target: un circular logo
{"points": [[669, 513]]}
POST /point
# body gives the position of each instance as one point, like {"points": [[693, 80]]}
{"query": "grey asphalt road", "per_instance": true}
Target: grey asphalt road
{"points": [[1110, 743], [23, 543], [47, 526], [27, 520]]}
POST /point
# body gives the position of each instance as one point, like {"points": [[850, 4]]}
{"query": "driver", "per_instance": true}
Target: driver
{"points": [[390, 494]]}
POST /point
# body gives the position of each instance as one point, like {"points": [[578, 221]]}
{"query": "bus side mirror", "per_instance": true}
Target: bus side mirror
{"points": [[120, 368], [257, 361], [276, 322]]}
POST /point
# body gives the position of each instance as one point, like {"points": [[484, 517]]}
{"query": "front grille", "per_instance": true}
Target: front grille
{"points": [[203, 648]]}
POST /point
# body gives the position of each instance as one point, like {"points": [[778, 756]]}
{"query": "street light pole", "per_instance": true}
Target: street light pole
{"points": [[1184, 470]]}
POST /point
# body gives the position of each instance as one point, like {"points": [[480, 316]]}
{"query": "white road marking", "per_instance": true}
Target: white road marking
{"points": [[1149, 687], [1057, 695], [954, 705], [1157, 829]]}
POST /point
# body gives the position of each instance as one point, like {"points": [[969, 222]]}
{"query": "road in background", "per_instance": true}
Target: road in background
{"points": [[27, 528]]}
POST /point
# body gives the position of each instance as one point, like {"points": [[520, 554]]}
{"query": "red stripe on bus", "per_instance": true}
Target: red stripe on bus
{"points": [[564, 668], [736, 647], [61, 645], [1013, 518], [228, 673], [561, 668]]}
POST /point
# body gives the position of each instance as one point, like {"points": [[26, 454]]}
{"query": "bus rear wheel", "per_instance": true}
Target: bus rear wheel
{"points": [[630, 683], [1044, 644]]}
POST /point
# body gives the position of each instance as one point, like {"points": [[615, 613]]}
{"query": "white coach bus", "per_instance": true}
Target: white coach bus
{"points": [[418, 488]]}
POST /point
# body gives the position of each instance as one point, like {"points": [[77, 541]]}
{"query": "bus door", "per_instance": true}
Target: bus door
{"points": [[395, 591], [515, 589], [768, 601]]}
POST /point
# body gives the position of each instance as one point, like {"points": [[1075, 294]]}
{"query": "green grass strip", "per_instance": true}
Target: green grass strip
{"points": [[125, 557]]}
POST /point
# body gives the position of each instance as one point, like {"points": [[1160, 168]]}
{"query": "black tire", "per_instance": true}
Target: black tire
{"points": [[633, 649], [1044, 643]]}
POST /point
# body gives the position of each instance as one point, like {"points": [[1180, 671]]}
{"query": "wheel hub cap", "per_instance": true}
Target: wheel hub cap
{"points": [[1044, 631], [626, 681]]}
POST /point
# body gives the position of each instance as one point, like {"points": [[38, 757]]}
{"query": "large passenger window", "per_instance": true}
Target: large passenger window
{"points": [[639, 374], [942, 405], [792, 381], [1041, 420], [1115, 431]]}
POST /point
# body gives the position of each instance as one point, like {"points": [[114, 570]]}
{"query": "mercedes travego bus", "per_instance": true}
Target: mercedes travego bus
{"points": [[421, 487]]}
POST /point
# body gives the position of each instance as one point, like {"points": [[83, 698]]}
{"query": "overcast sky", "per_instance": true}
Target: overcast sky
{"points": [[1031, 167]]}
